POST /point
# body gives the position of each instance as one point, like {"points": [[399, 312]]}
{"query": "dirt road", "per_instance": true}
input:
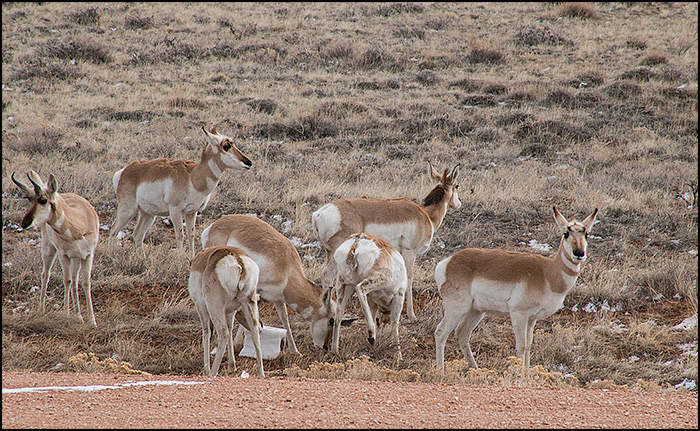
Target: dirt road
{"points": [[137, 401]]}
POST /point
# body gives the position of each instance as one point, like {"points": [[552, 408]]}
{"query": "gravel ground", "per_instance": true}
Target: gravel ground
{"points": [[282, 402]]}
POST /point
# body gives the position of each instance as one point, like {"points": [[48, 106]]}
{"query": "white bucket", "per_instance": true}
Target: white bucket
{"points": [[271, 342]]}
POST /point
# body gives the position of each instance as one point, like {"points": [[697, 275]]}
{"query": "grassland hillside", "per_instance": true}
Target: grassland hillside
{"points": [[578, 105]]}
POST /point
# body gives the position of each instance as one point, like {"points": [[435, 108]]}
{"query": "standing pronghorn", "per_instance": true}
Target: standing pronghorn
{"points": [[408, 226], [529, 287], [371, 267], [222, 281], [175, 187], [70, 229], [282, 280]]}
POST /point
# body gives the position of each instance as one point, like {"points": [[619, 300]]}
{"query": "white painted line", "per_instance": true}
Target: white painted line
{"points": [[97, 387]]}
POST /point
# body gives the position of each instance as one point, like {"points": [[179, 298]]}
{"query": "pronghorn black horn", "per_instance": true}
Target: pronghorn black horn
{"points": [[22, 186], [37, 185]]}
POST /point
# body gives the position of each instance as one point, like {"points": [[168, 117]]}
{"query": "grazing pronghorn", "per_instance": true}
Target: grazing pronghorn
{"points": [[408, 226], [371, 267], [282, 280], [175, 187], [223, 280], [70, 230], [529, 287]]}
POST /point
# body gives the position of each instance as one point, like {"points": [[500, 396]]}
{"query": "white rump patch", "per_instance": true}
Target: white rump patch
{"points": [[326, 221], [228, 271]]}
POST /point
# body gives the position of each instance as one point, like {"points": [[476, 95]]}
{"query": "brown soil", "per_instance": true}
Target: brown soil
{"points": [[282, 402]]}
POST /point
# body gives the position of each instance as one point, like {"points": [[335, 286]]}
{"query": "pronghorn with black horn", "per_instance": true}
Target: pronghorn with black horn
{"points": [[371, 267], [174, 187], [282, 280], [408, 226], [223, 281], [70, 231], [474, 282]]}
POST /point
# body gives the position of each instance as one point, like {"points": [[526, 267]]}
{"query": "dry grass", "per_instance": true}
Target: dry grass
{"points": [[540, 103]]}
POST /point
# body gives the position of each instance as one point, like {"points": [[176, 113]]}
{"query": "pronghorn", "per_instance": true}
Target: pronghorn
{"points": [[375, 270], [408, 226], [282, 280], [222, 281], [70, 230], [529, 287], [175, 187]]}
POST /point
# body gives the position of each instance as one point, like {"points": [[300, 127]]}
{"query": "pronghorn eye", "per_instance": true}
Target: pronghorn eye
{"points": [[566, 234], [42, 201], [227, 146], [331, 322], [456, 186]]}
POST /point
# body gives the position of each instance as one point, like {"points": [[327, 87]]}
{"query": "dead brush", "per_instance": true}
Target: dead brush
{"points": [[89, 363]]}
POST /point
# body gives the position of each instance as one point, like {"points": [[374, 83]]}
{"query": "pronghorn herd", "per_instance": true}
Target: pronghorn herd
{"points": [[371, 247]]}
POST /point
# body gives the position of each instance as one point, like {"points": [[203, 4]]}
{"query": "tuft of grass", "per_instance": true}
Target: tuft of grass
{"points": [[485, 56], [540, 34], [133, 22], [76, 50], [583, 10], [89, 16]]}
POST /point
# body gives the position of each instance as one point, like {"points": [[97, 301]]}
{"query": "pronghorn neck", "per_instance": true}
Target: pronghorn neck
{"points": [[435, 205], [563, 264], [58, 220], [206, 175], [304, 298]]}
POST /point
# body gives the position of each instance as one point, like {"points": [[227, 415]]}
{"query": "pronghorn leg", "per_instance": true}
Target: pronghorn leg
{"points": [[223, 334], [464, 331], [206, 335], [520, 326], [530, 333], [86, 270], [284, 317], [48, 256], [67, 281], [190, 221], [124, 214], [231, 350], [362, 289], [176, 219], [454, 314], [344, 293], [409, 258], [145, 222], [395, 317], [250, 314], [329, 273], [75, 264]]}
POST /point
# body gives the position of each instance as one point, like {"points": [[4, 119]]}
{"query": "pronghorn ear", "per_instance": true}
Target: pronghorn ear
{"points": [[52, 185], [561, 221], [212, 133], [327, 297], [434, 175], [455, 172], [590, 220]]}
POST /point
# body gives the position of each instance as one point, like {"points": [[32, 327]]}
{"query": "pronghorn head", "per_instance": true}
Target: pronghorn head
{"points": [[447, 182], [575, 234], [224, 147], [42, 198], [322, 329]]}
